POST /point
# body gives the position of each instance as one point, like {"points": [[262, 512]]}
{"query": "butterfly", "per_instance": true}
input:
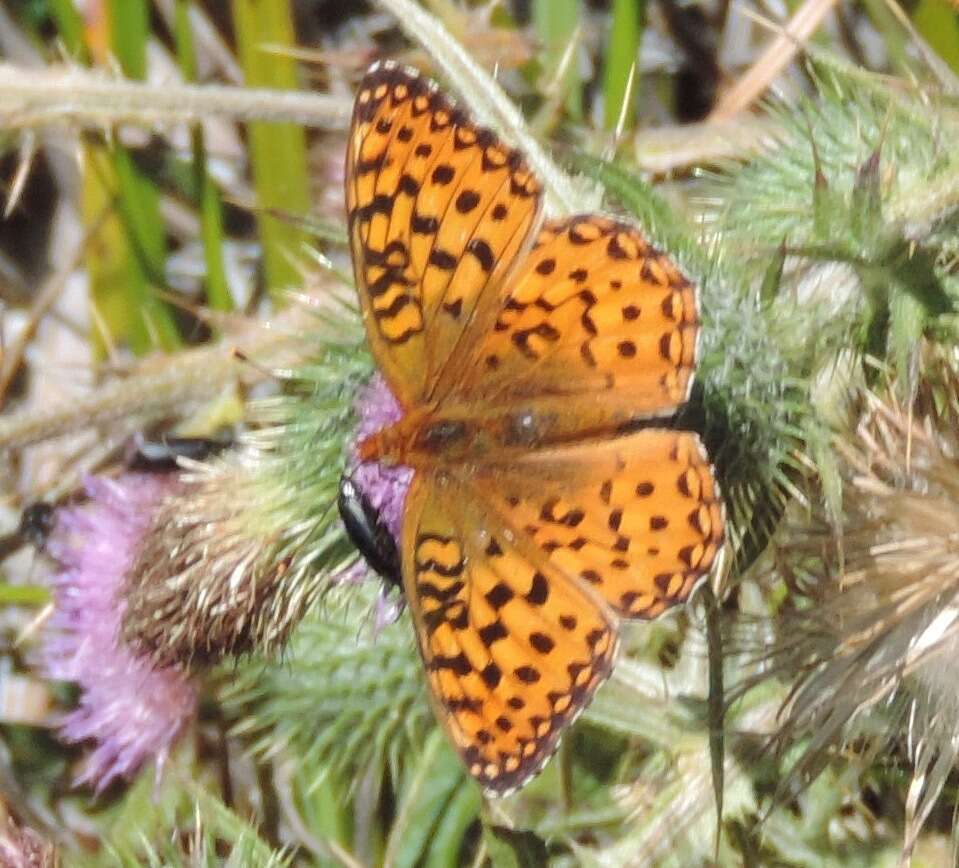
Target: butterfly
{"points": [[540, 364]]}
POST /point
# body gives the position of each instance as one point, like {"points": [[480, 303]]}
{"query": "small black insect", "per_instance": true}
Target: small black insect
{"points": [[368, 533], [160, 456], [36, 522], [147, 456]]}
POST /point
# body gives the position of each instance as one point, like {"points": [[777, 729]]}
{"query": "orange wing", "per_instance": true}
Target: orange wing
{"points": [[637, 518], [514, 648], [593, 311], [439, 210], [513, 575], [517, 564]]}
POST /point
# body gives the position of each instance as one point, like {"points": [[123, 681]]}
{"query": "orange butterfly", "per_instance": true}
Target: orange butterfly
{"points": [[538, 364]]}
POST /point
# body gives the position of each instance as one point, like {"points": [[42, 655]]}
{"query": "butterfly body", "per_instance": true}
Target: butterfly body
{"points": [[431, 437], [434, 439], [540, 365]]}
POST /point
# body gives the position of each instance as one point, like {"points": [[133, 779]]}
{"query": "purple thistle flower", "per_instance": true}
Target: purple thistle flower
{"points": [[385, 486], [132, 711]]}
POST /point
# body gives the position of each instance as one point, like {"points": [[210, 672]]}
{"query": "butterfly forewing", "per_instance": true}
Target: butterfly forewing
{"points": [[593, 313], [438, 210], [514, 648]]}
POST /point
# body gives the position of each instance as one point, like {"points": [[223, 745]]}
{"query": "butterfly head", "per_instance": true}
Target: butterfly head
{"points": [[421, 437]]}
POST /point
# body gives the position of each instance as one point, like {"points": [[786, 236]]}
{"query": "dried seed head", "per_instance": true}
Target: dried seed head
{"points": [[881, 628], [21, 847], [208, 583], [234, 558]]}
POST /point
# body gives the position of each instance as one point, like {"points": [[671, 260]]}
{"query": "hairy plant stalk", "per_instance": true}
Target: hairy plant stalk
{"points": [[32, 98], [167, 384], [663, 150]]}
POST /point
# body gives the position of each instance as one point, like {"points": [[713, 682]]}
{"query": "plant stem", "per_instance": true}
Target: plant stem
{"points": [[23, 595], [41, 97]]}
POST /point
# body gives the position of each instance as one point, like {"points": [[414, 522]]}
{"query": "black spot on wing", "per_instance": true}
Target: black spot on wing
{"points": [[483, 253]]}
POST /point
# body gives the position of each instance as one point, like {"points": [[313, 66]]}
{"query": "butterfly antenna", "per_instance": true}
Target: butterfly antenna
{"points": [[279, 374]]}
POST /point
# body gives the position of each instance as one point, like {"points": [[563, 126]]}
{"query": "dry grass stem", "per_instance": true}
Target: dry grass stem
{"points": [[665, 150], [165, 385], [777, 56]]}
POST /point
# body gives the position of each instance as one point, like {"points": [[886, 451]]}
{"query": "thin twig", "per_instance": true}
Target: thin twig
{"points": [[777, 56], [11, 362]]}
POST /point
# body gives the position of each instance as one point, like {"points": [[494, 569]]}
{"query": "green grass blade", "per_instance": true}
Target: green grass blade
{"points": [[939, 26], [447, 841], [218, 293], [622, 58], [70, 27], [433, 784], [123, 287], [117, 202], [23, 595], [127, 253], [130, 31], [556, 23], [277, 151], [152, 324], [183, 38]]}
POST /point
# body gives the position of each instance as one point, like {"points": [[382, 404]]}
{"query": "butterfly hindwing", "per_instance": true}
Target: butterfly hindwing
{"points": [[636, 518], [438, 209], [514, 649]]}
